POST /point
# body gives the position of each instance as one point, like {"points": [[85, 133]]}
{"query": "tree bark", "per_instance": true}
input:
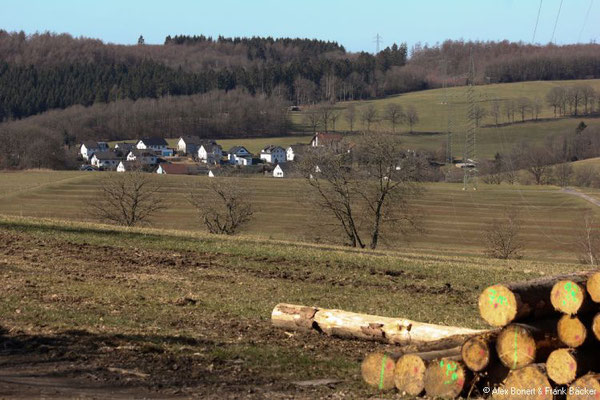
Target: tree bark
{"points": [[501, 304], [400, 331]]}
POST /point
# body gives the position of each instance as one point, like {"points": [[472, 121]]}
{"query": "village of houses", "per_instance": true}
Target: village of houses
{"points": [[196, 156]]}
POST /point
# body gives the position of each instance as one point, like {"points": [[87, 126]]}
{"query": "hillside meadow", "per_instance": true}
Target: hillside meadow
{"points": [[436, 106], [453, 219]]}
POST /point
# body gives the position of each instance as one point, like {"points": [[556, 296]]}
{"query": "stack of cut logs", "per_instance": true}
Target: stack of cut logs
{"points": [[545, 342]]}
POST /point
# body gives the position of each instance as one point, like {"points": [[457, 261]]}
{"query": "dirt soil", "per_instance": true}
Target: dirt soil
{"points": [[38, 362]]}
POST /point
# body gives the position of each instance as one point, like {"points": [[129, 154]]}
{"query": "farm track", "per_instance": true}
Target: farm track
{"points": [[584, 196]]}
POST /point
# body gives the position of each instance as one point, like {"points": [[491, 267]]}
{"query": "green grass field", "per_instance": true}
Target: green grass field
{"points": [[453, 219], [433, 113]]}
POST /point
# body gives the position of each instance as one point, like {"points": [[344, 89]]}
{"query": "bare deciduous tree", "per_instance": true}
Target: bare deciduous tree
{"points": [[369, 116], [495, 111], [224, 209], [128, 199], [350, 116], [313, 119], [394, 114], [366, 189], [412, 117], [478, 114], [502, 236], [588, 240]]}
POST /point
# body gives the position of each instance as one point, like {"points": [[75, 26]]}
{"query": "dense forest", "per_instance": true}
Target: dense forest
{"points": [[41, 72]]}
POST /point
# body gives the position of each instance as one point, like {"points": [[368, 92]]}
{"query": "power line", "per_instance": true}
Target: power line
{"points": [[587, 14], [537, 20], [556, 22]]}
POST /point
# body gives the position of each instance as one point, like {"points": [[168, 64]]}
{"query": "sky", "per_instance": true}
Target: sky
{"points": [[352, 23]]}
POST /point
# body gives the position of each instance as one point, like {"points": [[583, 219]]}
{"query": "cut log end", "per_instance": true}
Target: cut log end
{"points": [[596, 326], [377, 370], [561, 366], [585, 388], [516, 346], [446, 378], [477, 352], [567, 297], [528, 383], [498, 305], [593, 287], [571, 331], [409, 375]]}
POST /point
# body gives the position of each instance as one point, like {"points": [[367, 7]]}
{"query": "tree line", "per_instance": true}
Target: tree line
{"points": [[49, 140]]}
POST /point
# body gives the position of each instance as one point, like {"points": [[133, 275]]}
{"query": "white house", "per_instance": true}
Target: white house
{"points": [[295, 150], [282, 170], [105, 160], [127, 166], [211, 174], [142, 157], [88, 149], [273, 154], [152, 144], [210, 153], [188, 144], [239, 155]]}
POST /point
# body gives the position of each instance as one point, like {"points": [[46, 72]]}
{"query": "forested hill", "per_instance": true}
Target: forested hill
{"points": [[46, 71]]}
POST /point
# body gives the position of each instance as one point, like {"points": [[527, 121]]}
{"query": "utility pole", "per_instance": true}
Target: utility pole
{"points": [[378, 40]]}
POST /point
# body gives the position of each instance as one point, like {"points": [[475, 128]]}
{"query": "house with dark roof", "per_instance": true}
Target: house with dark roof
{"points": [[190, 144], [88, 148], [128, 166], [124, 147], [210, 153], [106, 159], [239, 155], [143, 157], [273, 154], [153, 143]]}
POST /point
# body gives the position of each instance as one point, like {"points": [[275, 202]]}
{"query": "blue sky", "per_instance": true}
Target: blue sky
{"points": [[353, 23]]}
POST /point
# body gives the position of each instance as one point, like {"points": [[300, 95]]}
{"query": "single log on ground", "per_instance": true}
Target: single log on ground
{"points": [[585, 388], [572, 331], [478, 351], [339, 323], [297, 318], [596, 326], [519, 345], [409, 375], [446, 378], [377, 370], [526, 383], [502, 304], [593, 287], [570, 297], [566, 365]]}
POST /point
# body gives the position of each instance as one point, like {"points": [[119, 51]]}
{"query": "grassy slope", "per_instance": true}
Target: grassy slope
{"points": [[454, 220], [126, 285], [434, 115]]}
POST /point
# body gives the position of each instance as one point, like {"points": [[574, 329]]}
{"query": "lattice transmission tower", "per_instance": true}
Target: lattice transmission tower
{"points": [[447, 102], [470, 156]]}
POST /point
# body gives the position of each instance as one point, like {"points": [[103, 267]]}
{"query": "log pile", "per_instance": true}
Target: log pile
{"points": [[544, 342]]}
